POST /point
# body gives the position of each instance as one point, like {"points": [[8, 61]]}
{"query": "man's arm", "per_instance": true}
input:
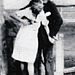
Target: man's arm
{"points": [[56, 22], [55, 19]]}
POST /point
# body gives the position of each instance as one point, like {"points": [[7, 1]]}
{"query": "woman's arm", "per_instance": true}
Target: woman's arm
{"points": [[52, 40], [45, 23], [24, 22], [14, 16]]}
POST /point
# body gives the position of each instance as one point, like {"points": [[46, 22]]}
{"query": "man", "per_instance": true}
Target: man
{"points": [[45, 44]]}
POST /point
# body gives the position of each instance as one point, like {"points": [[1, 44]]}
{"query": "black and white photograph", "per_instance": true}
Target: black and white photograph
{"points": [[37, 37]]}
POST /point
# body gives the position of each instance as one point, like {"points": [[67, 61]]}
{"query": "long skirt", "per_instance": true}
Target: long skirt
{"points": [[26, 43]]}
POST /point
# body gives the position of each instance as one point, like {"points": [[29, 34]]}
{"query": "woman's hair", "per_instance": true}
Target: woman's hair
{"points": [[36, 6], [33, 3]]}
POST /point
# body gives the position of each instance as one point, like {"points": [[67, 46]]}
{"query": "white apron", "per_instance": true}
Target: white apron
{"points": [[26, 43]]}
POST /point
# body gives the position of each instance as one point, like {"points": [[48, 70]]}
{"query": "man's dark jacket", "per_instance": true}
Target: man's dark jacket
{"points": [[55, 21]]}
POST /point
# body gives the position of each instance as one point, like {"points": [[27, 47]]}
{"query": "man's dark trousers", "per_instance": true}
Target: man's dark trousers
{"points": [[47, 48]]}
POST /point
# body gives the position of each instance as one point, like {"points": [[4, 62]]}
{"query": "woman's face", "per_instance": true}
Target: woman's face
{"points": [[36, 8], [45, 1]]}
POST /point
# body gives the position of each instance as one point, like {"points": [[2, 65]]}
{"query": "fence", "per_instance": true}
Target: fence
{"points": [[67, 12], [59, 64]]}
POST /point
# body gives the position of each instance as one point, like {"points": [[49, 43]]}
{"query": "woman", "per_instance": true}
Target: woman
{"points": [[26, 42]]}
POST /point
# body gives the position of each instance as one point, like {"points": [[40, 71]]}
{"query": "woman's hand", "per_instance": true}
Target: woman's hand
{"points": [[52, 40], [25, 22]]}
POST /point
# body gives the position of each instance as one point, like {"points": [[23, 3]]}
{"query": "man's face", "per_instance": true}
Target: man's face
{"points": [[45, 1]]}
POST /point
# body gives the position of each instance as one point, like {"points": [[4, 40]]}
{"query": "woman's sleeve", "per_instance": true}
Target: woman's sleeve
{"points": [[20, 13]]}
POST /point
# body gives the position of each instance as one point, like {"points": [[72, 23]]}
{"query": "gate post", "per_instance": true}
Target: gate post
{"points": [[60, 55]]}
